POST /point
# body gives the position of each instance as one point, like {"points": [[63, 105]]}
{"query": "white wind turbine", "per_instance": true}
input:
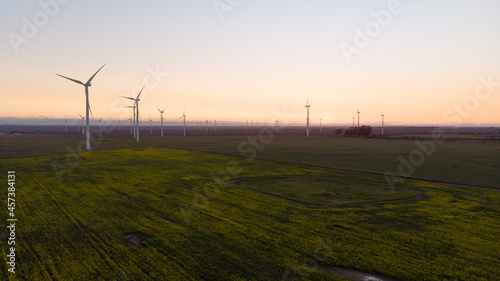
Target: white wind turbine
{"points": [[83, 126], [382, 123], [87, 108], [65, 125], [307, 106], [184, 116], [131, 124], [161, 113], [320, 121], [132, 121], [136, 103], [150, 125], [100, 125], [358, 117]]}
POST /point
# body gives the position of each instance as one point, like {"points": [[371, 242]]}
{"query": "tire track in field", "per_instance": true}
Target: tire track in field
{"points": [[81, 228], [417, 196]]}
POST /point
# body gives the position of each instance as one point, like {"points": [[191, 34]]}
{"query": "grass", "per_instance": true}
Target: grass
{"points": [[472, 163], [76, 229]]}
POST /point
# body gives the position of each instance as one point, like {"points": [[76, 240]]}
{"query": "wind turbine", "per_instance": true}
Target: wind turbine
{"points": [[150, 125], [100, 125], [207, 124], [161, 113], [353, 118], [132, 121], [136, 103], [83, 126], [382, 123], [184, 116], [358, 117], [131, 126], [87, 108], [320, 121], [119, 125], [307, 106], [65, 125]]}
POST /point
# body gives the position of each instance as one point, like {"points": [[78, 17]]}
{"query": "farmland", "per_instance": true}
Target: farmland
{"points": [[157, 212]]}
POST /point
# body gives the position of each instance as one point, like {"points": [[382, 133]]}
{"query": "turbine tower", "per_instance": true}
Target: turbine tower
{"points": [[358, 117], [307, 106], [100, 125], [132, 121], [136, 103], [87, 108], [320, 121], [150, 125], [383, 123], [184, 116], [161, 114], [83, 126], [65, 125], [131, 125]]}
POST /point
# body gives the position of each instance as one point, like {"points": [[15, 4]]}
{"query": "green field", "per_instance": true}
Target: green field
{"points": [[159, 214]]}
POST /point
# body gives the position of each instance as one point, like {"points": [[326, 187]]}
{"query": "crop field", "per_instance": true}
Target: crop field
{"points": [[197, 209]]}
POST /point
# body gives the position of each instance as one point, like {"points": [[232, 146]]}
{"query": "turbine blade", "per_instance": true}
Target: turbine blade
{"points": [[128, 98], [90, 109], [74, 80], [88, 82], [80, 115], [140, 92]]}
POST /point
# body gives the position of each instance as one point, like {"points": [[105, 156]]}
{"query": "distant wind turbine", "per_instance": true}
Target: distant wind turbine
{"points": [[65, 125], [136, 103], [207, 124], [150, 125], [353, 118], [87, 108], [100, 125], [383, 123], [161, 114], [358, 117], [307, 106], [132, 121], [320, 121], [83, 126], [184, 116]]}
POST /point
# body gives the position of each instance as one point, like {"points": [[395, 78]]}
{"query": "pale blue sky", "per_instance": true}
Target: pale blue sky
{"points": [[264, 55]]}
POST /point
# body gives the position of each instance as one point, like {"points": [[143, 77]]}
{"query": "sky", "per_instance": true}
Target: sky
{"points": [[417, 62]]}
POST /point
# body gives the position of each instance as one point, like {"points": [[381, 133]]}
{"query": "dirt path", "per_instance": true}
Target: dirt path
{"points": [[354, 274]]}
